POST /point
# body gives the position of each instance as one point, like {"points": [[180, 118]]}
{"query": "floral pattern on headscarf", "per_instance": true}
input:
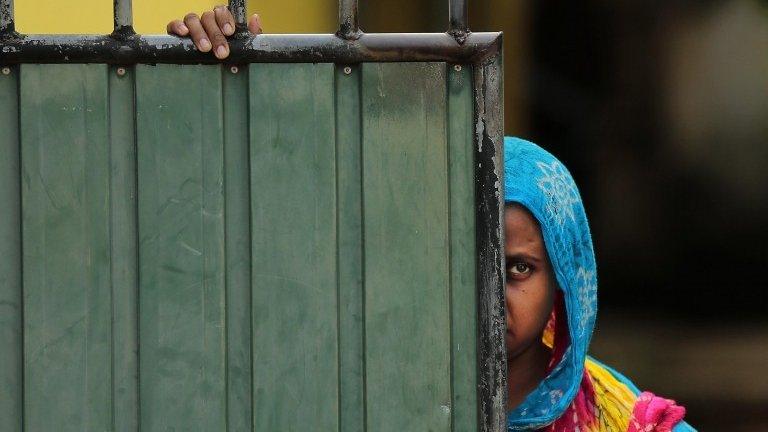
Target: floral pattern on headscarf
{"points": [[541, 183]]}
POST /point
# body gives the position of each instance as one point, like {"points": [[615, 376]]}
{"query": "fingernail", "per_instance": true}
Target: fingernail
{"points": [[205, 45], [227, 28], [184, 29], [221, 52]]}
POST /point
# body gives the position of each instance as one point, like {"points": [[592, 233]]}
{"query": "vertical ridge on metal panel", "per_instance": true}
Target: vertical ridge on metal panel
{"points": [[463, 276], [238, 248], [489, 162], [293, 203], [66, 252], [181, 247], [11, 357], [124, 251], [405, 196], [349, 219]]}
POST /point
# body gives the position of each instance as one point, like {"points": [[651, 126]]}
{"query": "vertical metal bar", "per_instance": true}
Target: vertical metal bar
{"points": [[238, 9], [348, 23], [6, 16], [457, 16], [123, 13], [457, 20], [489, 170]]}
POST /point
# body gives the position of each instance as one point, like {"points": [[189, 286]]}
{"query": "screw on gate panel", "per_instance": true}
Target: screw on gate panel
{"points": [[120, 71], [6, 71], [347, 70], [457, 68], [234, 69]]}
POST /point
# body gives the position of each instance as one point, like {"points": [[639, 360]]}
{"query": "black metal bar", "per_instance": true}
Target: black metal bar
{"points": [[238, 9], [458, 25], [457, 15], [123, 14], [489, 170], [6, 16], [349, 27], [317, 48]]}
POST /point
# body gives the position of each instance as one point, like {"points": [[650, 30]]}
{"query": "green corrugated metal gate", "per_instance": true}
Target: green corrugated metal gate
{"points": [[307, 241], [304, 240]]}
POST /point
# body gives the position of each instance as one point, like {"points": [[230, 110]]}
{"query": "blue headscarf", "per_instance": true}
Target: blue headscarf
{"points": [[539, 182]]}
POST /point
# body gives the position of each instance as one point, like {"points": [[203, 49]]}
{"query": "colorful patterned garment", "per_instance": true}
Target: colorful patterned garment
{"points": [[579, 393]]}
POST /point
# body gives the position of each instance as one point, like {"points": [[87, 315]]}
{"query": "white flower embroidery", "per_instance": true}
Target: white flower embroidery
{"points": [[587, 296], [560, 190], [555, 396]]}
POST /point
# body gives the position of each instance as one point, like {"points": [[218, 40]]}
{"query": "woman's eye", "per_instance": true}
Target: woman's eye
{"points": [[519, 270]]}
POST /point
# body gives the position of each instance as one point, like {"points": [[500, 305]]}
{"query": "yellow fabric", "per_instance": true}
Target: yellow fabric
{"points": [[614, 400]]}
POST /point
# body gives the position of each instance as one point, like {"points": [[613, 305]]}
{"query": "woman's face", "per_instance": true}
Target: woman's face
{"points": [[531, 284]]}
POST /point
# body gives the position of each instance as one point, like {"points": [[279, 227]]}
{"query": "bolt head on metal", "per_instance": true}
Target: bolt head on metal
{"points": [[457, 68], [120, 71], [234, 69], [6, 71], [347, 70]]}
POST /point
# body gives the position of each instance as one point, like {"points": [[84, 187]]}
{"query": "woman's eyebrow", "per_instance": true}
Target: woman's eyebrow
{"points": [[522, 256]]}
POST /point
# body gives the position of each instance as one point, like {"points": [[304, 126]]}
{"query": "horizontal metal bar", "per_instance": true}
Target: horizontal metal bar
{"points": [[348, 22], [6, 16], [123, 13], [238, 9], [287, 48]]}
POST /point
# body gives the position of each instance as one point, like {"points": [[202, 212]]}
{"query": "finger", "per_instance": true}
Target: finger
{"points": [[196, 31], [220, 45], [177, 27], [225, 20], [254, 24]]}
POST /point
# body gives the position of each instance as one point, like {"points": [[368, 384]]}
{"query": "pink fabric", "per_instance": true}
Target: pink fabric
{"points": [[654, 414], [580, 414]]}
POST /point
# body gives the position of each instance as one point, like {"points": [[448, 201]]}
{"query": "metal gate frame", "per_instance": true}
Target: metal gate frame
{"points": [[349, 45]]}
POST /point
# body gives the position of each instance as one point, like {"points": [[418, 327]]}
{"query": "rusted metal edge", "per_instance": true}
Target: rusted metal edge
{"points": [[349, 27], [489, 171], [289, 48]]}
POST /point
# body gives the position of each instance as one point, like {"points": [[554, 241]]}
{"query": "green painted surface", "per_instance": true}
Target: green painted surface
{"points": [[66, 244], [462, 232], [238, 249], [181, 248], [350, 238], [287, 247], [125, 275], [406, 250], [294, 261], [11, 358]]}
